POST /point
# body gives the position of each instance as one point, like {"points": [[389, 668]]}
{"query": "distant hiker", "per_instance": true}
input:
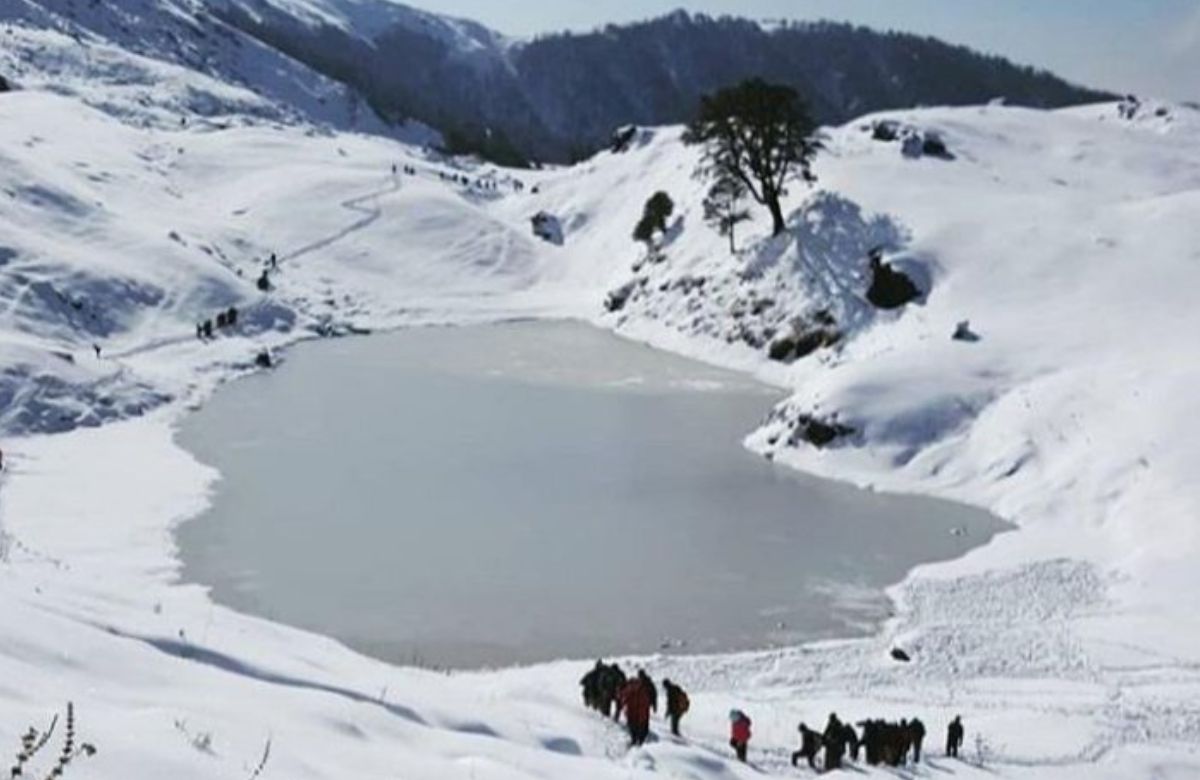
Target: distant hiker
{"points": [[274, 261], [739, 733], [208, 329], [610, 688], [221, 321], [634, 699], [651, 689], [97, 348], [916, 731], [264, 282], [590, 683], [954, 736], [677, 704], [834, 740], [200, 331], [231, 316], [810, 746], [263, 359], [870, 740], [393, 169], [851, 737]]}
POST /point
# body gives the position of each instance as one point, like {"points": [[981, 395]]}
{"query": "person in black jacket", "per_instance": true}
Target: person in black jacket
{"points": [[835, 743], [810, 746], [677, 704], [651, 688], [954, 736], [916, 730]]}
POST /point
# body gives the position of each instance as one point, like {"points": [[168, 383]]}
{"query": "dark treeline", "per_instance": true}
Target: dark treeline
{"points": [[559, 97]]}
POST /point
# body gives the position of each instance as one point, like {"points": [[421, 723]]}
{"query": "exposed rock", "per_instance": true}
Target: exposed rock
{"points": [[900, 655], [885, 130], [622, 139], [617, 299], [4, 85], [263, 359], [963, 332], [547, 227], [935, 146], [807, 337], [912, 146], [890, 289], [817, 432]]}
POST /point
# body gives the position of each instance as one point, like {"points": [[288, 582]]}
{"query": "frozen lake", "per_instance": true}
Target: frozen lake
{"points": [[529, 491]]}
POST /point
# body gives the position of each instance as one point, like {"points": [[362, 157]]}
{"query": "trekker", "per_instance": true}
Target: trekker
{"points": [[835, 742], [739, 733], [916, 731], [954, 737], [870, 740], [590, 683], [677, 704], [851, 738], [650, 688], [810, 746], [634, 698], [610, 692]]}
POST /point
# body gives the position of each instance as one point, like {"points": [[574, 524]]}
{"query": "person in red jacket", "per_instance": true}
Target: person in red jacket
{"points": [[739, 733], [634, 699]]}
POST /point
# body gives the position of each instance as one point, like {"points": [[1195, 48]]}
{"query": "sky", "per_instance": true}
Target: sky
{"points": [[1149, 47]]}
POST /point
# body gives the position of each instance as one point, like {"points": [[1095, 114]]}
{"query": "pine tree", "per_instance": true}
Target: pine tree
{"points": [[760, 134], [723, 208]]}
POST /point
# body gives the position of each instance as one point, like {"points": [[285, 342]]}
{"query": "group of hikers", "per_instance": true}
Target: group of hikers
{"points": [[879, 742], [608, 690], [207, 329]]}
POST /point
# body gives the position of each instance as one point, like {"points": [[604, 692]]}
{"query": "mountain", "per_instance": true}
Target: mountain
{"points": [[558, 97], [158, 61]]}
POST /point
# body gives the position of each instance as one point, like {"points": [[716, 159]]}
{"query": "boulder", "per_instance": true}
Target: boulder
{"points": [[4, 85], [935, 146], [622, 139], [807, 337], [547, 227], [963, 332], [890, 289], [817, 432], [617, 299], [885, 130]]}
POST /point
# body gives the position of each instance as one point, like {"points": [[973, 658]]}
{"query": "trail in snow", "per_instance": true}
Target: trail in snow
{"points": [[371, 215]]}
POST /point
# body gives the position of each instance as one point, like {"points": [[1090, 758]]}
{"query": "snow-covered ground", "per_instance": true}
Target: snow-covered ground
{"points": [[1068, 239]]}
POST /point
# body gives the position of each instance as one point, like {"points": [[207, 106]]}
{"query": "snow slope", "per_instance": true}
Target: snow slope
{"points": [[1067, 238]]}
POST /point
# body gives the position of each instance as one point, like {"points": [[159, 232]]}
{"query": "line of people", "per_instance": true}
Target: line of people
{"points": [[206, 330], [610, 692]]}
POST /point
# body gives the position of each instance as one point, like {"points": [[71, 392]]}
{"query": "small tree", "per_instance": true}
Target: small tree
{"points": [[760, 134], [723, 208], [657, 211]]}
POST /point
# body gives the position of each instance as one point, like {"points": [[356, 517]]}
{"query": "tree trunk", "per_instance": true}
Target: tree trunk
{"points": [[780, 225]]}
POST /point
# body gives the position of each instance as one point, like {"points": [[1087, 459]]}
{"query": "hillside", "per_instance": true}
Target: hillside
{"points": [[1067, 238], [558, 97]]}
